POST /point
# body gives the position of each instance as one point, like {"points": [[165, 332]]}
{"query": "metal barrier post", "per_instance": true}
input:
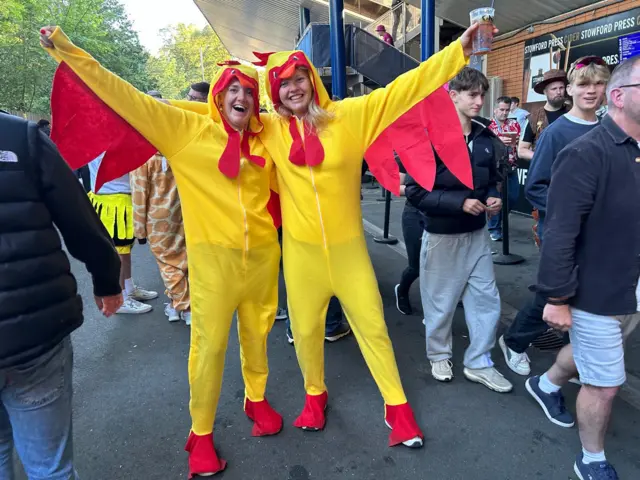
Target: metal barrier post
{"points": [[427, 28], [386, 238], [505, 258], [338, 60]]}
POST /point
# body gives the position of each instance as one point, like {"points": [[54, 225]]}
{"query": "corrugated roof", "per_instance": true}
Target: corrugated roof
{"points": [[271, 25]]}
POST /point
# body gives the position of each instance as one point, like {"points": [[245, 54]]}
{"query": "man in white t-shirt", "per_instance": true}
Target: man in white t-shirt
{"points": [[115, 209]]}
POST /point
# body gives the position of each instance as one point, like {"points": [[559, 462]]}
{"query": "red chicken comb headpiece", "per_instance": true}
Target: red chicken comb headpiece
{"points": [[263, 58]]}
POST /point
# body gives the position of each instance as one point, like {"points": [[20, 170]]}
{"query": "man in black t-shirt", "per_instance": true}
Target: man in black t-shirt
{"points": [[553, 86]]}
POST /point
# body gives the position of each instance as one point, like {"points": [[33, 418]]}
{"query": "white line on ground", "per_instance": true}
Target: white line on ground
{"points": [[630, 391]]}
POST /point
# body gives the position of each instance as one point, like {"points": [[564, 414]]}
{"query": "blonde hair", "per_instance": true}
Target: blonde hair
{"points": [[592, 73], [316, 116]]}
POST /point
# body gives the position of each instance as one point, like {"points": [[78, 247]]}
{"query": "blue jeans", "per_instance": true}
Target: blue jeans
{"points": [[495, 222], [35, 416]]}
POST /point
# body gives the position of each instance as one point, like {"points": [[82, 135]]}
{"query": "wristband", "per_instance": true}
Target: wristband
{"points": [[557, 303]]}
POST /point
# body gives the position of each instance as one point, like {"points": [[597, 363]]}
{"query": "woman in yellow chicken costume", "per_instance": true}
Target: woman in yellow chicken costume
{"points": [[224, 177], [318, 145]]}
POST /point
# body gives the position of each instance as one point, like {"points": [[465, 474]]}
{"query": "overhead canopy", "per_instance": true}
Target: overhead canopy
{"points": [[245, 26]]}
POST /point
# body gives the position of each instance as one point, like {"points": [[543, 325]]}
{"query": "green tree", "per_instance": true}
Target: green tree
{"points": [[188, 55], [99, 26]]}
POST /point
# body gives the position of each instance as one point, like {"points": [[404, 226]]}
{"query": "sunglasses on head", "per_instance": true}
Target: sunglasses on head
{"points": [[586, 61]]}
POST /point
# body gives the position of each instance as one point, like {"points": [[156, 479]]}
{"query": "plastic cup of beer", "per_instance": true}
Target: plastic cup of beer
{"points": [[483, 36]]}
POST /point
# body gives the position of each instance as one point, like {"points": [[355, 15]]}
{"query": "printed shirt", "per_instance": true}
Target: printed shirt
{"points": [[510, 126]]}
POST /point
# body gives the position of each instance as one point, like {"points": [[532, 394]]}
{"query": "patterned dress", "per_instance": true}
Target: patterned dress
{"points": [[158, 218]]}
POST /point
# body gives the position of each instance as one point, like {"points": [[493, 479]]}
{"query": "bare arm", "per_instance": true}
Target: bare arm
{"points": [[524, 150]]}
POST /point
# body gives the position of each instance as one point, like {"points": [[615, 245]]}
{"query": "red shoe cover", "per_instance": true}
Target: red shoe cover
{"points": [[403, 424], [312, 415], [266, 420], [202, 455]]}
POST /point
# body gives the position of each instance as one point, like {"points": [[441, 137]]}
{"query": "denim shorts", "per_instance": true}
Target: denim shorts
{"points": [[598, 346]]}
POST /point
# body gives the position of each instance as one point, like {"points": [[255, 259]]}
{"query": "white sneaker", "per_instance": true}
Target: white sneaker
{"points": [[143, 295], [134, 307], [171, 313], [442, 370], [186, 316], [517, 362], [415, 442], [490, 378]]}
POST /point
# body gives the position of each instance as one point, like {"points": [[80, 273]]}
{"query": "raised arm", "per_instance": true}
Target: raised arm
{"points": [[167, 128], [368, 116]]}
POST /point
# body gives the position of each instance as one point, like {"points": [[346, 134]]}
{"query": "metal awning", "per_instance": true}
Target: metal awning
{"points": [[272, 25]]}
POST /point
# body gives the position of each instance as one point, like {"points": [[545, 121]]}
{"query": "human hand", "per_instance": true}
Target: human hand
{"points": [[508, 140], [109, 305], [467, 38], [473, 206], [557, 316], [45, 34], [494, 205]]}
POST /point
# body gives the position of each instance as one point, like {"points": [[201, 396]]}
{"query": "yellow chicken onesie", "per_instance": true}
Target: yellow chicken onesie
{"points": [[233, 253], [324, 248]]}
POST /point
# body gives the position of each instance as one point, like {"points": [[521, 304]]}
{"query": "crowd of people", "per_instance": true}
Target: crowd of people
{"points": [[218, 245]]}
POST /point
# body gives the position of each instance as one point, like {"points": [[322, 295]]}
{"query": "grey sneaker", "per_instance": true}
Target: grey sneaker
{"points": [[517, 362], [442, 370], [133, 307], [142, 295], [490, 378]]}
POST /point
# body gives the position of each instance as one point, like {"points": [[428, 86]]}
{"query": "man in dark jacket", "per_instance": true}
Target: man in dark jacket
{"points": [[589, 268], [455, 257], [588, 78], [39, 302]]}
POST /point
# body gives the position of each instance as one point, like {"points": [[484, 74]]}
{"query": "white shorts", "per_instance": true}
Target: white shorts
{"points": [[598, 346]]}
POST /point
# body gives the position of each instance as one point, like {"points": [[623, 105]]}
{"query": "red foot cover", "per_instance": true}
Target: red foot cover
{"points": [[312, 415], [403, 424], [266, 420], [83, 127], [202, 455], [432, 123]]}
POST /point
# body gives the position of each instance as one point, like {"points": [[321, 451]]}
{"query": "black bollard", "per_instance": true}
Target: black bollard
{"points": [[505, 258], [386, 238]]}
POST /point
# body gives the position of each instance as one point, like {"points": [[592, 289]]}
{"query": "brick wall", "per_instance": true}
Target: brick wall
{"points": [[507, 59]]}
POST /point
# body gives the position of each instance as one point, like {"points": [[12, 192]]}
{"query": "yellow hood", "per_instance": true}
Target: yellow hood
{"points": [[281, 65], [248, 77]]}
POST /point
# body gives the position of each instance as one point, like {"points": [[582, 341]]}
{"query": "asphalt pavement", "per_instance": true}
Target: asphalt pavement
{"points": [[131, 399]]}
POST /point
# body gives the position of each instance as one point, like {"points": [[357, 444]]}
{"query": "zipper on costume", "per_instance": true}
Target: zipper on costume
{"points": [[313, 182], [244, 214], [300, 125]]}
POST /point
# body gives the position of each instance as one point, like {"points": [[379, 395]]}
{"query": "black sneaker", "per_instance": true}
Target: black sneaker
{"points": [[289, 336], [342, 331], [281, 314], [552, 403], [402, 303], [595, 470]]}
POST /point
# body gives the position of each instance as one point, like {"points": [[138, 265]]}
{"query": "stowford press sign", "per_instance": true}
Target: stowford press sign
{"points": [[557, 50]]}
